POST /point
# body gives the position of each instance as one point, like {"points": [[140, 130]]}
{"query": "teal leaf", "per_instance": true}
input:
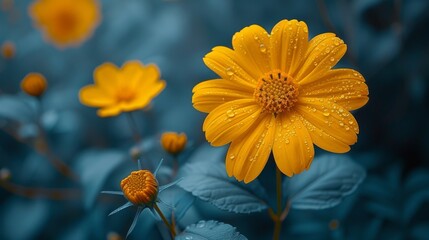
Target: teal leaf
{"points": [[210, 230], [417, 192], [175, 200], [17, 108], [209, 182], [329, 179], [94, 168]]}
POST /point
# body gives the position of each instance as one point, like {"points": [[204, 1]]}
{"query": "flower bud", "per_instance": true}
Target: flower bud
{"points": [[34, 84], [8, 50], [173, 142], [140, 187]]}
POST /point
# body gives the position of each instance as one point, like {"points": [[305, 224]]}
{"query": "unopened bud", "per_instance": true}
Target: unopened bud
{"points": [[140, 187], [34, 84], [173, 142]]}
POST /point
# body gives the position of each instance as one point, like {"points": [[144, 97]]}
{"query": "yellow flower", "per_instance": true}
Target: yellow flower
{"points": [[173, 142], [34, 84], [278, 92], [123, 89], [66, 22]]}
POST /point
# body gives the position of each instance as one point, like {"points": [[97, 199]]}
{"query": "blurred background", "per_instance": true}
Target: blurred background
{"points": [[387, 43]]}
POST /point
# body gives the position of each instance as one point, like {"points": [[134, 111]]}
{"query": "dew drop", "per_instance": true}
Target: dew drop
{"points": [[326, 114], [232, 156], [230, 113], [201, 224], [229, 72], [332, 59], [287, 141], [188, 238], [262, 48]]}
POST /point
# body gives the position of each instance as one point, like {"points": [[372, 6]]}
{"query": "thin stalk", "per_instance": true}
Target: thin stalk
{"points": [[44, 149], [48, 193], [134, 129], [277, 219], [164, 219]]}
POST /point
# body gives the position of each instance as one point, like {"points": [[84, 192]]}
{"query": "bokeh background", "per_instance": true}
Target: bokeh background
{"points": [[387, 43]]}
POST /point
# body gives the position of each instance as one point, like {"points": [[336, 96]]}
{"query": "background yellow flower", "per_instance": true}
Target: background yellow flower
{"points": [[123, 89], [278, 92], [66, 22]]}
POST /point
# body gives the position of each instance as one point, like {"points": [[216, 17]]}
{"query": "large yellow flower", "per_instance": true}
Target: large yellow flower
{"points": [[66, 22], [278, 92], [123, 89]]}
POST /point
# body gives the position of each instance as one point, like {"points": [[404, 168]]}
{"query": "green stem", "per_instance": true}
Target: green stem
{"points": [[277, 219], [134, 129], [164, 219]]}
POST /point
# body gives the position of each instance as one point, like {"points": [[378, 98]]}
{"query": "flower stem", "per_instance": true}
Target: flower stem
{"points": [[42, 146], [277, 219], [164, 219], [133, 126]]}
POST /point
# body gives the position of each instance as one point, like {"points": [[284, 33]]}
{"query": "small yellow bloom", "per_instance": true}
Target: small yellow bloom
{"points": [[8, 50], [140, 187], [123, 89], [279, 93], [173, 143], [34, 84], [66, 22]]}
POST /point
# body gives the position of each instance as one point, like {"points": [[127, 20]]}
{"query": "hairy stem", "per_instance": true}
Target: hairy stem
{"points": [[164, 219], [134, 129]]}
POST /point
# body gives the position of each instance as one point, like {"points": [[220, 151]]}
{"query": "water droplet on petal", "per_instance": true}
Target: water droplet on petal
{"points": [[230, 113], [229, 71], [326, 114], [262, 48], [332, 59]]}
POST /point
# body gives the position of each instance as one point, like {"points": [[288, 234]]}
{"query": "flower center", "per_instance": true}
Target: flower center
{"points": [[276, 92], [140, 187], [125, 95], [66, 20]]}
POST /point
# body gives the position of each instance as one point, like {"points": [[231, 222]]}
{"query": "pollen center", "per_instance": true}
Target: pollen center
{"points": [[276, 92], [125, 95], [140, 187], [66, 20]]}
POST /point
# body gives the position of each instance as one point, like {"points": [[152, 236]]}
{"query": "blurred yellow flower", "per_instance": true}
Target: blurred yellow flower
{"points": [[66, 22], [278, 92], [34, 84], [8, 50], [173, 143], [123, 89]]}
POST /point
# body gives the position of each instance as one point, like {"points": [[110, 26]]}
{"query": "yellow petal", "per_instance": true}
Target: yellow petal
{"points": [[252, 44], [289, 42], [146, 93], [109, 111], [106, 76], [95, 97], [210, 94], [131, 73], [230, 120], [293, 148], [229, 65], [345, 87], [323, 140], [247, 155], [322, 55], [329, 117]]}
